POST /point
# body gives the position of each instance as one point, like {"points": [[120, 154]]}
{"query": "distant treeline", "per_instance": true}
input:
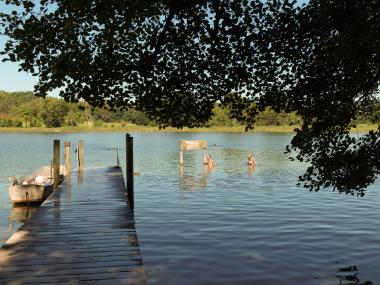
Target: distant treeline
{"points": [[24, 110]]}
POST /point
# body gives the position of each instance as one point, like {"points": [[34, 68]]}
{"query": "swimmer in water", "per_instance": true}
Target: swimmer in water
{"points": [[210, 162], [251, 160]]}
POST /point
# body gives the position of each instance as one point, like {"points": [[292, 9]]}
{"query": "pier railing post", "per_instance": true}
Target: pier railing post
{"points": [[80, 155], [126, 157], [67, 159], [117, 156], [56, 163], [129, 160]]}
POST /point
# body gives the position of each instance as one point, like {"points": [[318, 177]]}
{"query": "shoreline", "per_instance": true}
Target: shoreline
{"points": [[148, 129]]}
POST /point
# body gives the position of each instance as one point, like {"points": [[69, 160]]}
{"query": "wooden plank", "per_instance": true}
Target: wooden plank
{"points": [[195, 144], [87, 238], [95, 261], [40, 258], [46, 270], [62, 250], [97, 278]]}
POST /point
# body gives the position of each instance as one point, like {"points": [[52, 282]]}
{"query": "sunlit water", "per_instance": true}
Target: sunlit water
{"points": [[226, 226]]}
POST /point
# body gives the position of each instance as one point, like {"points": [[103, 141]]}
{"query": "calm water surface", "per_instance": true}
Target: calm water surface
{"points": [[228, 226]]}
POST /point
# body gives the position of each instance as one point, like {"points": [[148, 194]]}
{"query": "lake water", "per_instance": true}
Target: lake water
{"points": [[230, 225]]}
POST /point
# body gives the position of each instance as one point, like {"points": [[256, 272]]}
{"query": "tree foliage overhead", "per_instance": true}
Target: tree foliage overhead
{"points": [[176, 59]]}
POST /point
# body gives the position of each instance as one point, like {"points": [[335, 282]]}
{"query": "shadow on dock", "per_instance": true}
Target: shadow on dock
{"points": [[84, 236]]}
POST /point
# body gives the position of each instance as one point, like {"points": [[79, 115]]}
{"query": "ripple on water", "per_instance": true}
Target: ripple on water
{"points": [[230, 225]]}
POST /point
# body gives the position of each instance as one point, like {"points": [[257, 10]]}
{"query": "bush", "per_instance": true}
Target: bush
{"points": [[8, 123]]}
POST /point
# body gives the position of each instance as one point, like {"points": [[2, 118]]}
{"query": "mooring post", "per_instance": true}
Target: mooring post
{"points": [[126, 157], [51, 169], [56, 163], [67, 158], [80, 155], [129, 157], [117, 156]]}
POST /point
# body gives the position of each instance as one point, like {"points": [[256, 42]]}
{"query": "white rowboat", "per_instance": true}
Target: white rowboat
{"points": [[35, 188]]}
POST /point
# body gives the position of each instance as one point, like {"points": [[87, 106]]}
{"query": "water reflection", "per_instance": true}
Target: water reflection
{"points": [[261, 229], [193, 182], [20, 214], [349, 276], [68, 188], [80, 176]]}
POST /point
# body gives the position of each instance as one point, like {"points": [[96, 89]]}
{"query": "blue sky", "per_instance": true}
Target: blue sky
{"points": [[10, 78], [13, 80]]}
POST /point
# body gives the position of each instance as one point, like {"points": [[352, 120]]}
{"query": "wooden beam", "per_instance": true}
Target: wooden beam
{"points": [[56, 163], [126, 157], [189, 145], [117, 156], [67, 159], [81, 155], [130, 187]]}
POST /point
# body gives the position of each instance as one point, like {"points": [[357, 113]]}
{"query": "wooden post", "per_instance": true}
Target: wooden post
{"points": [[67, 158], [129, 154], [180, 156], [126, 156], [56, 163], [117, 156], [80, 155]]}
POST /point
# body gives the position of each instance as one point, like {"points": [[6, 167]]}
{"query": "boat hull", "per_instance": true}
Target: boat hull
{"points": [[31, 193]]}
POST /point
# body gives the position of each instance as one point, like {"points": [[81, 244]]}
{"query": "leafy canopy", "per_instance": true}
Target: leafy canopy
{"points": [[176, 59]]}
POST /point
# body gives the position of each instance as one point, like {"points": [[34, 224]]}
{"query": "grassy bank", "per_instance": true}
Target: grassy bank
{"points": [[119, 127]]}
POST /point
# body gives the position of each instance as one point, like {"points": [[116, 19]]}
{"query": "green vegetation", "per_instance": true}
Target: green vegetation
{"points": [[22, 111]]}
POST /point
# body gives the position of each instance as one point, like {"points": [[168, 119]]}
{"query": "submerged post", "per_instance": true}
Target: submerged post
{"points": [[67, 158], [56, 163], [80, 155], [181, 156], [129, 158]]}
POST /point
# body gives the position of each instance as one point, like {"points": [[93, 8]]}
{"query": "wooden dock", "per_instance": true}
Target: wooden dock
{"points": [[84, 233]]}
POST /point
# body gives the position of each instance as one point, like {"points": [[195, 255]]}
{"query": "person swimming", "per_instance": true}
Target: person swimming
{"points": [[210, 162], [251, 160]]}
